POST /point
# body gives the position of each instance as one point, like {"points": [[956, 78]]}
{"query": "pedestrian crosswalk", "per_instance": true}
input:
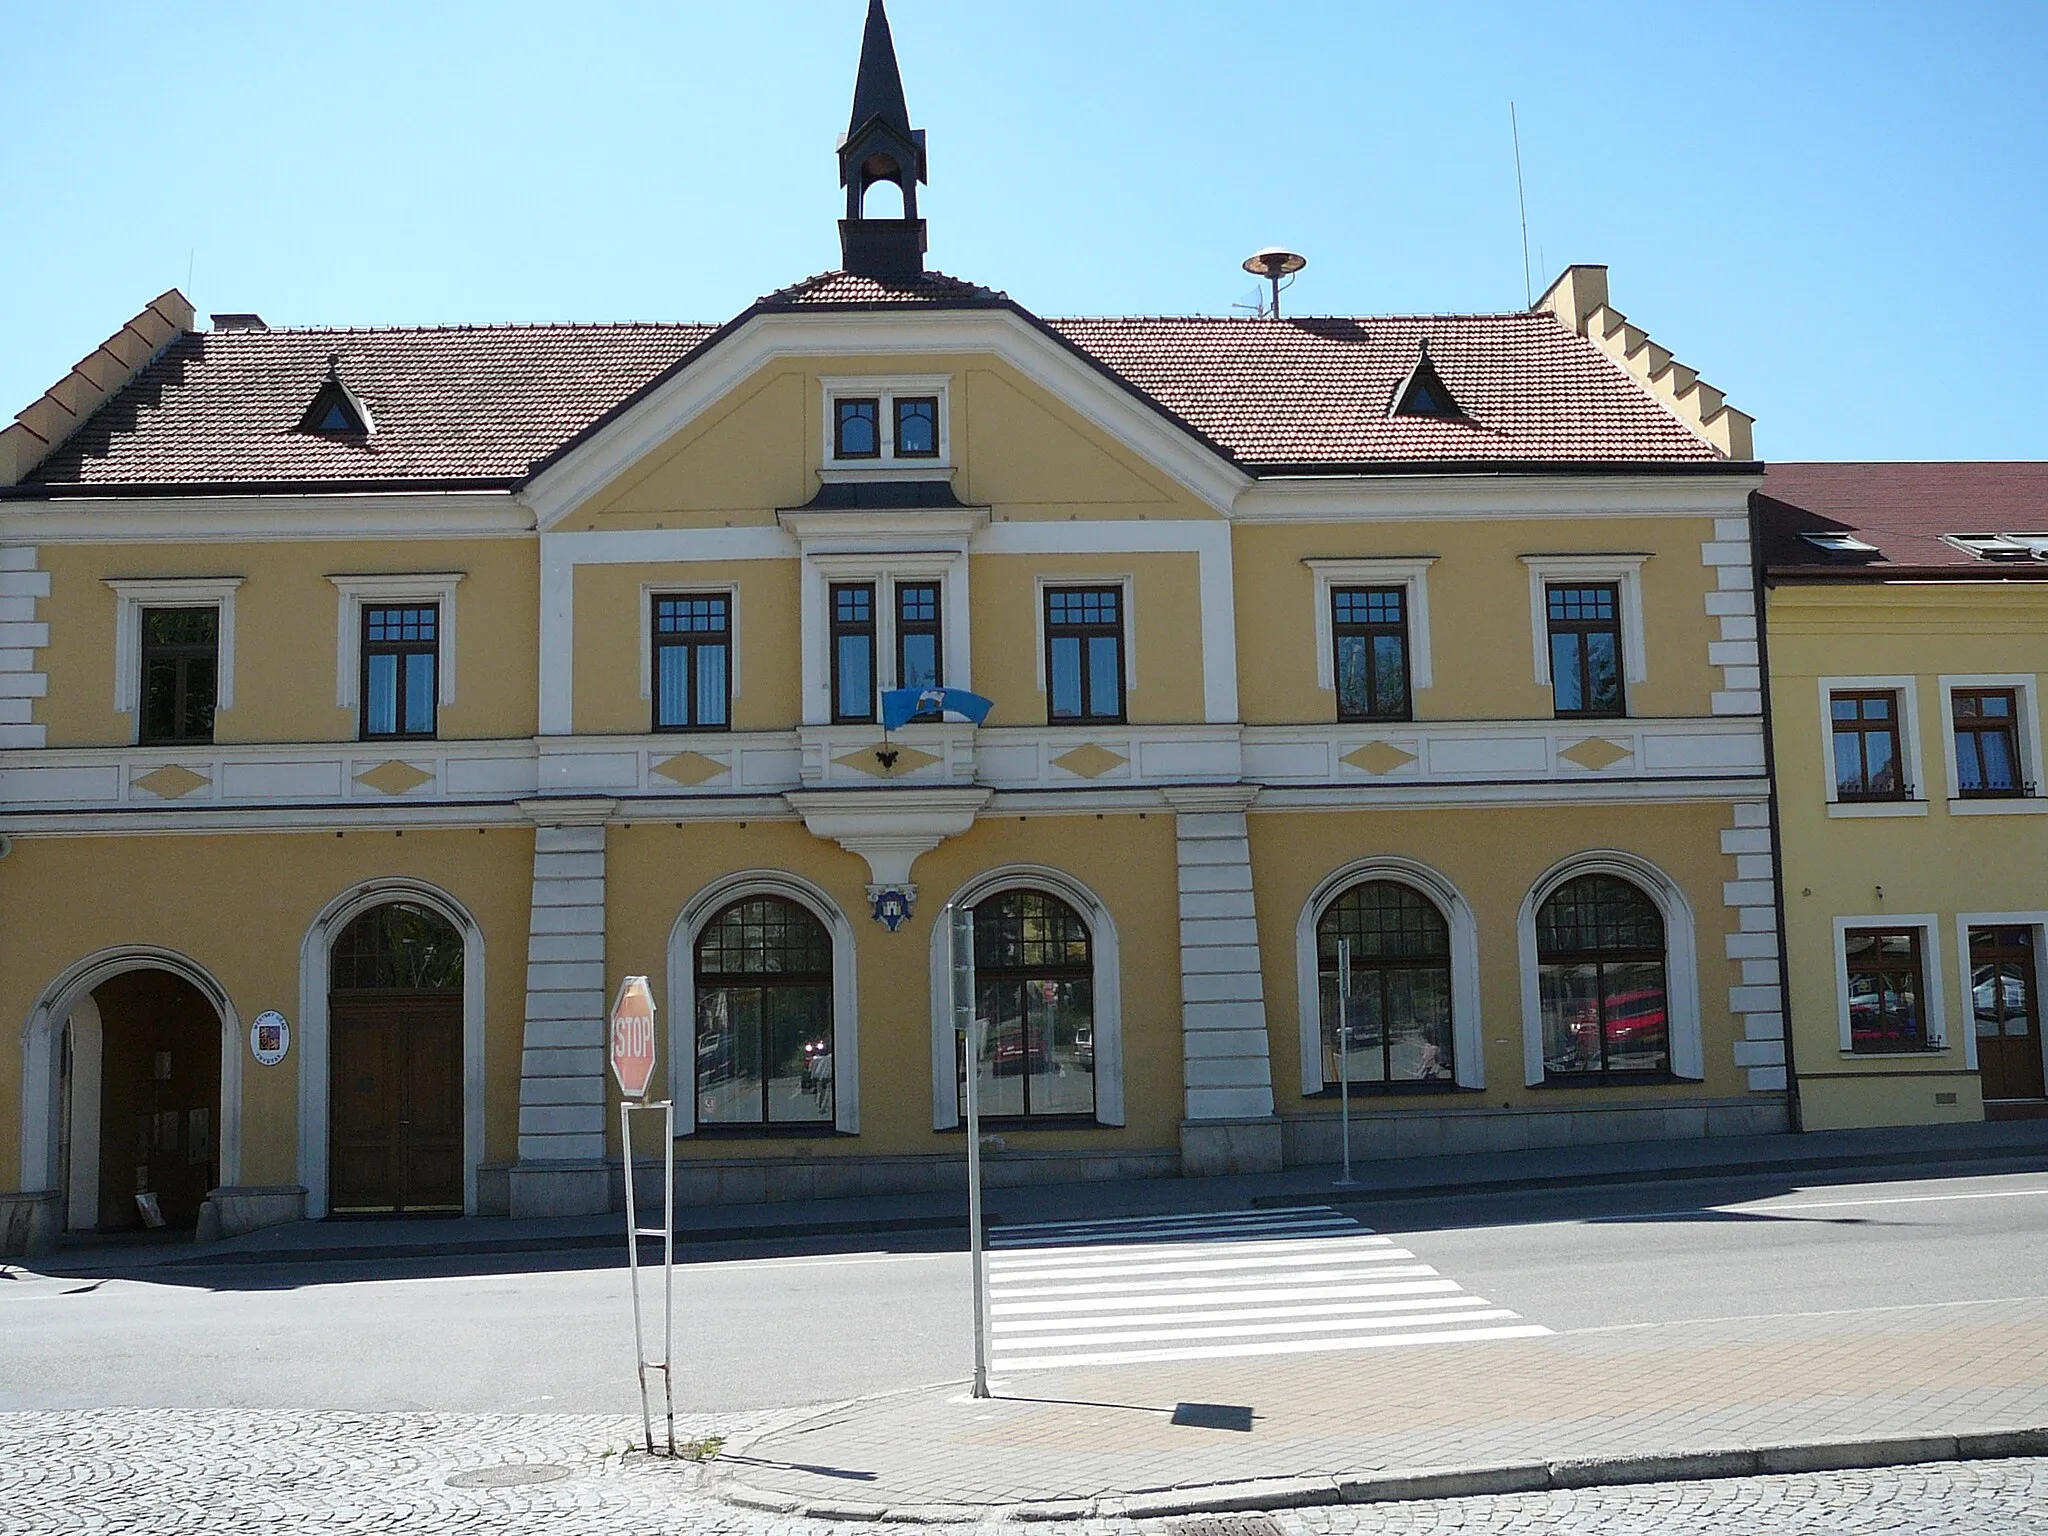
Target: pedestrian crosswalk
{"points": [[1216, 1287]]}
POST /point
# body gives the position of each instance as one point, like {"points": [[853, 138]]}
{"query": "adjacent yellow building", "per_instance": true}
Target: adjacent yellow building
{"points": [[1908, 629], [372, 702]]}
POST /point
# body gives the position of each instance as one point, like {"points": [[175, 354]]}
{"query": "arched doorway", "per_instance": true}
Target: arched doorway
{"points": [[395, 1027], [139, 1103]]}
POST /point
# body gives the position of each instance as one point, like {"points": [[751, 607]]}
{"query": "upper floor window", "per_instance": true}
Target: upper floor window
{"points": [[1886, 989], [693, 663], [401, 658], [853, 652], [872, 423], [1987, 742], [1084, 654], [1869, 762], [1601, 981], [180, 673], [920, 645], [1584, 623], [1369, 630]]}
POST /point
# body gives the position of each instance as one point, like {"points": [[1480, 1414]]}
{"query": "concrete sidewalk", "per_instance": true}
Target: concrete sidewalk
{"points": [[1579, 1408], [1814, 1156]]}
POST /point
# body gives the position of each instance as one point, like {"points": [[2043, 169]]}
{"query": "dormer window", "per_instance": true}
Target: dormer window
{"points": [[1424, 393], [2003, 548], [1839, 544], [336, 410], [882, 424]]}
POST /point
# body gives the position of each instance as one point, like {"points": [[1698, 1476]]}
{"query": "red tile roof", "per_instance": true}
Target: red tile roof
{"points": [[1904, 510], [487, 404]]}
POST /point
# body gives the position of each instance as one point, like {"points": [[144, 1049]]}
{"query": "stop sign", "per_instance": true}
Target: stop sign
{"points": [[632, 1037]]}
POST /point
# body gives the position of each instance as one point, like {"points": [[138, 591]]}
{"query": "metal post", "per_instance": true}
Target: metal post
{"points": [[668, 1266], [633, 1268], [1344, 1053], [968, 1033], [667, 1233]]}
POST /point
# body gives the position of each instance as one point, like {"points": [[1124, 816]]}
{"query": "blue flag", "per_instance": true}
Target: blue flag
{"points": [[902, 705]]}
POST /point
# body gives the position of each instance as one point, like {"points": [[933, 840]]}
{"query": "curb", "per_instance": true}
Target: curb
{"points": [[1435, 1482]]}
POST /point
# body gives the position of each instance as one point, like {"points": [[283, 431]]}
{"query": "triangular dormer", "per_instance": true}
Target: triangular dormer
{"points": [[1424, 393], [336, 411], [880, 145]]}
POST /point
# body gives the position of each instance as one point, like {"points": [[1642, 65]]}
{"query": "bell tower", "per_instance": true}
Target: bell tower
{"points": [[880, 145]]}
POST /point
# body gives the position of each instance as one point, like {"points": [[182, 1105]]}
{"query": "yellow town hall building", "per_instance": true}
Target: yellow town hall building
{"points": [[373, 701]]}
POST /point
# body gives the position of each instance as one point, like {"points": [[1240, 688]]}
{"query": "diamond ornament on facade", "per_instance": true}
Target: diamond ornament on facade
{"points": [[887, 760], [1378, 757], [1089, 762], [690, 768], [394, 777], [171, 782], [1596, 753]]}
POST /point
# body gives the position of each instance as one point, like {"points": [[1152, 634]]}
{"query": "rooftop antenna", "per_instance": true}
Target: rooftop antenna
{"points": [[1528, 288], [1274, 265]]}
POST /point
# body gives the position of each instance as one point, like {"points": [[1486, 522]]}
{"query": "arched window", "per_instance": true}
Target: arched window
{"points": [[764, 1016], [1034, 969], [1398, 1028], [397, 947], [1601, 978]]}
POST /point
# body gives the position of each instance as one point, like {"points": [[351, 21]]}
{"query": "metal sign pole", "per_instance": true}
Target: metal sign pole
{"points": [[968, 1032], [1344, 1052], [667, 1233], [633, 1268], [668, 1266]]}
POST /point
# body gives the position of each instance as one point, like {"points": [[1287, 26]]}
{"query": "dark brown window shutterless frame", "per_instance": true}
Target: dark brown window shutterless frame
{"points": [[857, 428], [1369, 635], [764, 1017], [1887, 999], [1869, 762], [693, 662], [180, 673], [1601, 982], [1987, 727], [1084, 654], [1585, 649], [920, 648], [853, 652], [917, 426], [401, 670], [1034, 973]]}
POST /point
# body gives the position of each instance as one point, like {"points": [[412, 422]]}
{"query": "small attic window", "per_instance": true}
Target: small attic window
{"points": [[336, 410], [1424, 393], [2001, 547], [1839, 544]]}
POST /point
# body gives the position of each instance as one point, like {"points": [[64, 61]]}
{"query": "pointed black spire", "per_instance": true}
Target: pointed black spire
{"points": [[880, 145]]}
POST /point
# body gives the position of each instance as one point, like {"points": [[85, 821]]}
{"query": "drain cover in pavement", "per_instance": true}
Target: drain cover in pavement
{"points": [[1224, 1525], [511, 1475]]}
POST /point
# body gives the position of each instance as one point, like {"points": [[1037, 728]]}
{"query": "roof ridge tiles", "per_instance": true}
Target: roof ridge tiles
{"points": [[493, 326]]}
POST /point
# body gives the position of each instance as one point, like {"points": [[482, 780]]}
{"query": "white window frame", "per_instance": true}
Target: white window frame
{"points": [[650, 590], [1932, 996], [682, 990], [1907, 690], [1966, 1020], [823, 570], [1410, 573], [354, 591], [887, 389], [2027, 729], [1108, 997], [1128, 583], [1468, 1033], [1681, 958], [1625, 571], [132, 595]]}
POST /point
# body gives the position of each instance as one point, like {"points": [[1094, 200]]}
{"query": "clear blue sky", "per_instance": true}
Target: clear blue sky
{"points": [[1836, 212]]}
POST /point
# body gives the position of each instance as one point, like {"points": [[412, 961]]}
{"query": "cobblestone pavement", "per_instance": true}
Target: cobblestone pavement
{"points": [[334, 1474], [1081, 1434]]}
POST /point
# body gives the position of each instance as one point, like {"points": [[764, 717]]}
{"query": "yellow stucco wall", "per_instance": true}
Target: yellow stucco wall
{"points": [[286, 613], [1939, 863], [240, 907], [1494, 857], [656, 869], [1480, 631]]}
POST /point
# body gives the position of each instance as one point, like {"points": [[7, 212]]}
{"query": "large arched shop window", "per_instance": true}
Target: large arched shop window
{"points": [[764, 1016], [1034, 969], [1601, 977], [1398, 1033]]}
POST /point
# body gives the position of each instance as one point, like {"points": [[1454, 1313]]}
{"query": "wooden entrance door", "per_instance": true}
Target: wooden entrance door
{"points": [[395, 1108], [2007, 1014]]}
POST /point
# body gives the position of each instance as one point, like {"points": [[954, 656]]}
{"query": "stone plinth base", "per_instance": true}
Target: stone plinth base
{"points": [[1212, 1147], [537, 1189], [1414, 1131], [232, 1212], [748, 1180], [30, 1222]]}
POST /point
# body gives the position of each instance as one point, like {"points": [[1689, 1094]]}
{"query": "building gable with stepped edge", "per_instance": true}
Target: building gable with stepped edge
{"points": [[420, 684]]}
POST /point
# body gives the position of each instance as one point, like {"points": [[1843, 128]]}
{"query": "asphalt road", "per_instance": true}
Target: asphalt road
{"points": [[771, 1327]]}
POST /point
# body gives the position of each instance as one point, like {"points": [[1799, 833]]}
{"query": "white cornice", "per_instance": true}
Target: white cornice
{"points": [[1397, 498], [218, 519], [653, 419]]}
